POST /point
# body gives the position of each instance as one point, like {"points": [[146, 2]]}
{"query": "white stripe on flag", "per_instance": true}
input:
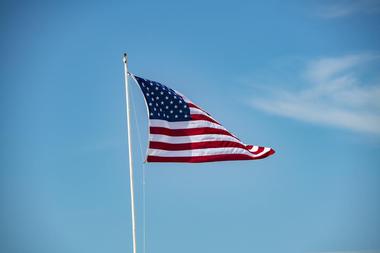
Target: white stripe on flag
{"points": [[192, 138], [203, 152], [194, 110], [184, 124]]}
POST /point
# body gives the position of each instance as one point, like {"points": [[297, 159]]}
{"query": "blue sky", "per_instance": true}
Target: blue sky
{"points": [[299, 76]]}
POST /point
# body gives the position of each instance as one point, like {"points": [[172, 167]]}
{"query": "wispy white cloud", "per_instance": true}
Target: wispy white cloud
{"points": [[334, 94], [343, 8]]}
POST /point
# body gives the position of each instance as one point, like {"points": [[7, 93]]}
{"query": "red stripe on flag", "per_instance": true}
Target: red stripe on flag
{"points": [[187, 132], [203, 117], [195, 145], [210, 158], [194, 106]]}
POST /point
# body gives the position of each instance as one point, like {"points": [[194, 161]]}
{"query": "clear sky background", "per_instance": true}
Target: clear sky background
{"points": [[302, 77]]}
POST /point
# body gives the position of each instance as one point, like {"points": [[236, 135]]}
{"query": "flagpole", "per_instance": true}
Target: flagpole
{"points": [[125, 60]]}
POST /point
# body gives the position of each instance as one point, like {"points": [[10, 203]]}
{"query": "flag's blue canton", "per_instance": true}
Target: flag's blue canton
{"points": [[163, 102]]}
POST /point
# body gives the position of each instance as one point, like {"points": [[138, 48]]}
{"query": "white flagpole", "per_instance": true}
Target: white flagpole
{"points": [[125, 60]]}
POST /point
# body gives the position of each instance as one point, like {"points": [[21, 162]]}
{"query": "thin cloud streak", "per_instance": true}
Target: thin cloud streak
{"points": [[334, 96], [339, 9]]}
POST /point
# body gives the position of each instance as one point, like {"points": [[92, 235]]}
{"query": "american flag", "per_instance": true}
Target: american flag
{"points": [[180, 131]]}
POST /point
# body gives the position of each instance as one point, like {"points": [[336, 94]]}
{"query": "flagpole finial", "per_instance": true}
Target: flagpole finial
{"points": [[125, 58]]}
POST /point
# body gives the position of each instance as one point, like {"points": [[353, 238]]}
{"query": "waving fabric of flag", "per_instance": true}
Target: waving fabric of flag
{"points": [[180, 131]]}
